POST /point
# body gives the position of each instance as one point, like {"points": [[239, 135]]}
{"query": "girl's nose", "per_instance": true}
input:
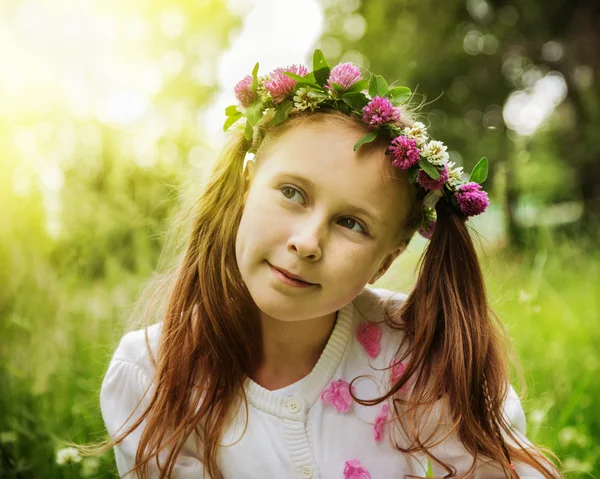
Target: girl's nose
{"points": [[306, 240]]}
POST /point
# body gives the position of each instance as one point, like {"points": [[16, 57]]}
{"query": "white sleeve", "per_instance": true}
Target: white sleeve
{"points": [[123, 386], [452, 452], [513, 412]]}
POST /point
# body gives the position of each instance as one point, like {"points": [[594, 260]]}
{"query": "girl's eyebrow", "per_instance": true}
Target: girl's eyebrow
{"points": [[311, 186]]}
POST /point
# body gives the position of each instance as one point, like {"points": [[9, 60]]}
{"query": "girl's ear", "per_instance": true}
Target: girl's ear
{"points": [[387, 262], [249, 172]]}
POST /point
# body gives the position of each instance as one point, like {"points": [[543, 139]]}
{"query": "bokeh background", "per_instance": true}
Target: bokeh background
{"points": [[111, 112]]}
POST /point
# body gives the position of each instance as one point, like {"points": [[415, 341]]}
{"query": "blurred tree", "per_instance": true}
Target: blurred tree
{"points": [[564, 36], [91, 158], [125, 187], [470, 57]]}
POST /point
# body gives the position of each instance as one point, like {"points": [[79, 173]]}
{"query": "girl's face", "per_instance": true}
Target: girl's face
{"points": [[321, 211]]}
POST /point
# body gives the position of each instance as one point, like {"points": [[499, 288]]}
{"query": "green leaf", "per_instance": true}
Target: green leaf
{"points": [[298, 78], [231, 110], [343, 107], [355, 100], [377, 86], [302, 80], [393, 129], [429, 468], [310, 77], [429, 169], [317, 95], [359, 86], [319, 60], [254, 112], [248, 131], [255, 78], [398, 94], [322, 75], [282, 112], [368, 138], [480, 172], [231, 120], [338, 88], [412, 173]]}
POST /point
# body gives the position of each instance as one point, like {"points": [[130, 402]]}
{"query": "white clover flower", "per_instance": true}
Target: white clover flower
{"points": [[301, 100], [261, 90], [417, 132], [454, 175], [67, 455], [435, 152], [308, 98]]}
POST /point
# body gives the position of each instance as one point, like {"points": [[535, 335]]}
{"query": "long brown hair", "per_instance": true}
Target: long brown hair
{"points": [[455, 348], [211, 335]]}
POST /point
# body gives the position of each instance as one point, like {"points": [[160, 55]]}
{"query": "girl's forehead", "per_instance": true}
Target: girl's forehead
{"points": [[327, 152], [326, 137]]}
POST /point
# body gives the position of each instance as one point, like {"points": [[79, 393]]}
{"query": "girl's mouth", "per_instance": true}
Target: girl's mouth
{"points": [[287, 280]]}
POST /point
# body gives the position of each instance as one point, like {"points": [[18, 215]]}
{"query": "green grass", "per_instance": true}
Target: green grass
{"points": [[59, 329], [549, 302]]}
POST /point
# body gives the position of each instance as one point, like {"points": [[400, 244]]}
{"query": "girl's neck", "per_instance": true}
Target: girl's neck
{"points": [[291, 349]]}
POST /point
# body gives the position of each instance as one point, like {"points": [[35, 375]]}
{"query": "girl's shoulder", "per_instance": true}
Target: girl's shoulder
{"points": [[378, 313], [373, 303], [133, 348]]}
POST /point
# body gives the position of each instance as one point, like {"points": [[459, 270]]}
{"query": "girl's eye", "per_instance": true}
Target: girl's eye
{"points": [[289, 192], [350, 223]]}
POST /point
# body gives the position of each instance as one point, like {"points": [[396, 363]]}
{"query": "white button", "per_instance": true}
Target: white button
{"points": [[306, 472], [294, 406]]}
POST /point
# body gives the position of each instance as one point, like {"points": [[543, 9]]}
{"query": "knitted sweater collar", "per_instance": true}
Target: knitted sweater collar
{"points": [[317, 380]]}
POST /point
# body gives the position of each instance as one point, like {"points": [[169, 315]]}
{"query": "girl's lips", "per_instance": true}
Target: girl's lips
{"points": [[287, 280]]}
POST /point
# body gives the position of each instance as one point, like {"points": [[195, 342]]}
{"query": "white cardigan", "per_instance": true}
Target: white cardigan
{"points": [[308, 429]]}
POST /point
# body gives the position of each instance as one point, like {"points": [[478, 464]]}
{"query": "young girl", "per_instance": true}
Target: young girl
{"points": [[274, 358]]}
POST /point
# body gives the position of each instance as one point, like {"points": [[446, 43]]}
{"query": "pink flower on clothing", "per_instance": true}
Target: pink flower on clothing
{"points": [[281, 86], [338, 394], [380, 422], [369, 336], [397, 371], [353, 470]]}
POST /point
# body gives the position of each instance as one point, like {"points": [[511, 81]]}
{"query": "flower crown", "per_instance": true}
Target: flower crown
{"points": [[269, 100]]}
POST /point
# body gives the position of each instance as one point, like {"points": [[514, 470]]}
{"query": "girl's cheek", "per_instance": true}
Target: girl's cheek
{"points": [[272, 214], [275, 209]]}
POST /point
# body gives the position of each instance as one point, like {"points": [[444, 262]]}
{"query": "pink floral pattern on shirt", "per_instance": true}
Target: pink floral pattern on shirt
{"points": [[338, 394], [380, 422], [398, 369], [369, 336], [353, 470]]}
